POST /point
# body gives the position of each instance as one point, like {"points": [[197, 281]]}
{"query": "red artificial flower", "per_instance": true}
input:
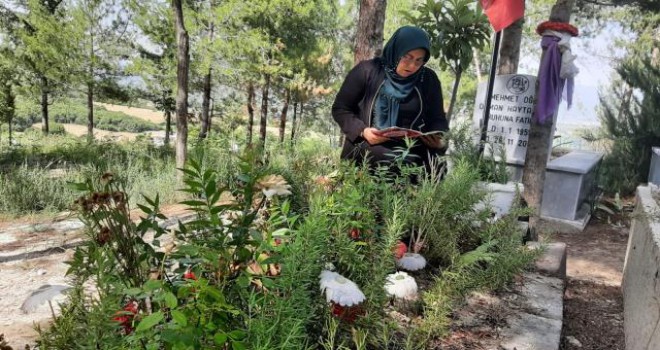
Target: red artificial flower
{"points": [[355, 233], [400, 249], [347, 313], [126, 315], [558, 27], [189, 275]]}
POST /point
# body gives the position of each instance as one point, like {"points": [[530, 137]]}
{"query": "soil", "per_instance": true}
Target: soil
{"points": [[593, 303], [593, 299]]}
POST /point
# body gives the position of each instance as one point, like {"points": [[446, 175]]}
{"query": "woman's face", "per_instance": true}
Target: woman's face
{"points": [[411, 62]]}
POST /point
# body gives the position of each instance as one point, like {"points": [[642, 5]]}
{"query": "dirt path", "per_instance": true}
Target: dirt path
{"points": [[593, 302]]}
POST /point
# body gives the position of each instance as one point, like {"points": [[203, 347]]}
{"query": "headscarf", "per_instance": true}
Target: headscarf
{"points": [[396, 88]]}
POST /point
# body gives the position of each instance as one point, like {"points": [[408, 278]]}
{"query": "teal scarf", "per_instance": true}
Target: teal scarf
{"points": [[396, 88]]}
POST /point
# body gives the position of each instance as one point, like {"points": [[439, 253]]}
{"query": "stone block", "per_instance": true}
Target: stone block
{"points": [[654, 170], [553, 261], [641, 275], [538, 325], [569, 183]]}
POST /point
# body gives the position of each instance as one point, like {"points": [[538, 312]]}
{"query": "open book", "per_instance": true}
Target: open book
{"points": [[397, 132]]}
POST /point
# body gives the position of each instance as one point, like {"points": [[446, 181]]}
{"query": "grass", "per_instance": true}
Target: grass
{"points": [[71, 111], [44, 165]]}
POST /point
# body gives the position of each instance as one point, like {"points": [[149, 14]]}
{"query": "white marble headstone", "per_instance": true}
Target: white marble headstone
{"points": [[511, 109]]}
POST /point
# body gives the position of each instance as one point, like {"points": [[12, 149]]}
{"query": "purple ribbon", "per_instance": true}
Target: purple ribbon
{"points": [[551, 84]]}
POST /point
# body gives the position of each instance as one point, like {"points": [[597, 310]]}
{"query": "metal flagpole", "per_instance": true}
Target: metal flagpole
{"points": [[489, 91]]}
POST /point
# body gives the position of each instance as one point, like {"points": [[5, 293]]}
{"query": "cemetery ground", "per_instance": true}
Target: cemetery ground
{"points": [[593, 309]]}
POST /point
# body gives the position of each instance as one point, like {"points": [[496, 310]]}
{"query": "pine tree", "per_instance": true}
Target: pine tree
{"points": [[632, 122]]}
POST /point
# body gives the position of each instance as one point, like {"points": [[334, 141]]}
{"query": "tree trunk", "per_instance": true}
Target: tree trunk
{"points": [[454, 93], [264, 111], [90, 112], [625, 101], [44, 105], [183, 62], [285, 109], [206, 102], [168, 127], [9, 136], [510, 49], [90, 91], [293, 121], [250, 109], [206, 99], [369, 36], [476, 61], [538, 145]]}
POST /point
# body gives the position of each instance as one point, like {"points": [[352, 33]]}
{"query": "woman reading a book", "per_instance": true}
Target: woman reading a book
{"points": [[390, 97]]}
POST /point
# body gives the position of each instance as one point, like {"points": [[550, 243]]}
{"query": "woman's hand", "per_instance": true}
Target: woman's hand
{"points": [[373, 139], [433, 141]]}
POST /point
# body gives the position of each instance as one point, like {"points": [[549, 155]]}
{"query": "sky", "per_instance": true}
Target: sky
{"points": [[596, 59]]}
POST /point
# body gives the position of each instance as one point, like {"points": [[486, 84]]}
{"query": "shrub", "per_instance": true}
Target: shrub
{"points": [[244, 273], [75, 112], [57, 129], [25, 170]]}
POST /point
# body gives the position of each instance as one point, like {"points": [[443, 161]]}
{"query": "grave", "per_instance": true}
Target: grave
{"points": [[511, 110], [570, 186], [654, 171], [569, 189]]}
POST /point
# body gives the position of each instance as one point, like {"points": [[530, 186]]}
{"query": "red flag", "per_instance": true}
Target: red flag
{"points": [[502, 13]]}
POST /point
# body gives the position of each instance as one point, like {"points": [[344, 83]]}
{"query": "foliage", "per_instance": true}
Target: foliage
{"points": [[74, 112], [457, 28], [629, 120], [7, 95], [491, 167], [245, 270], [44, 165]]}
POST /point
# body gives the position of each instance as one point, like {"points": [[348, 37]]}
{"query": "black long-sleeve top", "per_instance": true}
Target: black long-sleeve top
{"points": [[354, 103]]}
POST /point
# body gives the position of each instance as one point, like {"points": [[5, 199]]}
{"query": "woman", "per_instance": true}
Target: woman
{"points": [[395, 89]]}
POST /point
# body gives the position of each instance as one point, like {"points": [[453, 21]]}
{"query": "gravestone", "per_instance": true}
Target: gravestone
{"points": [[569, 186], [510, 118], [654, 171]]}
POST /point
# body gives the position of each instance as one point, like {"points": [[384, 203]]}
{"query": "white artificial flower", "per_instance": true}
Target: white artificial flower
{"points": [[274, 185], [340, 290], [401, 285], [329, 266], [411, 262]]}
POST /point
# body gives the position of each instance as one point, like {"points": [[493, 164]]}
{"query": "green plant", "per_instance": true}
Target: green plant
{"points": [[244, 273], [492, 166], [456, 28]]}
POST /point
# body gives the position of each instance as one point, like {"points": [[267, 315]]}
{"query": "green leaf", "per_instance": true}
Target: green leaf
{"points": [[280, 232], [132, 291], [170, 300], [237, 334], [194, 203], [220, 338], [152, 285], [149, 321], [180, 318], [188, 249], [238, 346], [145, 209]]}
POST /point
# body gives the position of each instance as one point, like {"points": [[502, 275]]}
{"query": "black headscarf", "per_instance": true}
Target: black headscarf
{"points": [[396, 88]]}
